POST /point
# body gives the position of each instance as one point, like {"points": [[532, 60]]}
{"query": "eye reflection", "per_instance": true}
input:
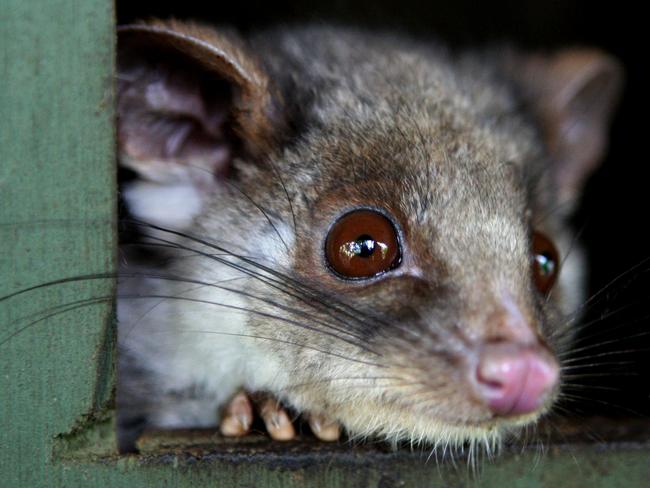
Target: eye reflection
{"points": [[362, 244], [546, 262], [364, 247]]}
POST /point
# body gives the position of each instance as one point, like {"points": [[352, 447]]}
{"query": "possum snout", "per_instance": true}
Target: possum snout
{"points": [[514, 372]]}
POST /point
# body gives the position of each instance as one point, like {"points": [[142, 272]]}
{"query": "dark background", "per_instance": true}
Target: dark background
{"points": [[614, 212]]}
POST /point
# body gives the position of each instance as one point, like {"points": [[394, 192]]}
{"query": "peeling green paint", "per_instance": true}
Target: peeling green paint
{"points": [[91, 439]]}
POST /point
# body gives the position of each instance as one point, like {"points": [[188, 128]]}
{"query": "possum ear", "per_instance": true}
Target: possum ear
{"points": [[189, 100], [573, 93]]}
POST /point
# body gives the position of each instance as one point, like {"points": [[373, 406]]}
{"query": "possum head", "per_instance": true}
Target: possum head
{"points": [[396, 216]]}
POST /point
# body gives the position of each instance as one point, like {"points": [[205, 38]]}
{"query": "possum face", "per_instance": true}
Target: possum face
{"points": [[390, 211]]}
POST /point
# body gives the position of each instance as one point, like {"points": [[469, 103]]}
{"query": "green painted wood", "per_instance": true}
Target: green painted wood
{"points": [[57, 220]]}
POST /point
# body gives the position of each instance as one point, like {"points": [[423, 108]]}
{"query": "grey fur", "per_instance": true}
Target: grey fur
{"points": [[449, 147]]}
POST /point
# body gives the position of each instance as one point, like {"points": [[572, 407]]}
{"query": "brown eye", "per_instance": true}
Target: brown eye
{"points": [[546, 262], [362, 244]]}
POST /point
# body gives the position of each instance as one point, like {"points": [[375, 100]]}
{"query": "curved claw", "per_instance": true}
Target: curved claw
{"points": [[238, 416], [239, 413], [277, 421], [325, 429]]}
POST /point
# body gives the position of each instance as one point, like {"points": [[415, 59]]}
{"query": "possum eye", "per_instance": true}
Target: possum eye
{"points": [[362, 244], [546, 262]]}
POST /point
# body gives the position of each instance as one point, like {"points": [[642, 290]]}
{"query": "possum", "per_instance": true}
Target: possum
{"points": [[366, 230]]}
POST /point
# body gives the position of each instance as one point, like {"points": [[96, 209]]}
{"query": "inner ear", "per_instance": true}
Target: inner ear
{"points": [[592, 97], [173, 115], [201, 92], [573, 93], [190, 99]]}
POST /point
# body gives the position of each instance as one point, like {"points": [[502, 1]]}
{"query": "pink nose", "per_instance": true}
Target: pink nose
{"points": [[515, 379]]}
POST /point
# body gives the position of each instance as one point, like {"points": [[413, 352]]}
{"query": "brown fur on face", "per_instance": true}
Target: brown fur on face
{"points": [[434, 307], [446, 147]]}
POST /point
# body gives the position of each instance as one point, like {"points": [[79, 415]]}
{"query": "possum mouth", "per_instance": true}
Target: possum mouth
{"points": [[488, 423], [497, 384], [483, 424]]}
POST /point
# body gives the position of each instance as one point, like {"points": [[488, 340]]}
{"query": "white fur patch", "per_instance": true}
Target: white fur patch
{"points": [[169, 205], [197, 343]]}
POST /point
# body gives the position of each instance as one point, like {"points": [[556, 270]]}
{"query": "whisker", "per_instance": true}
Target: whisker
{"points": [[284, 280], [274, 283], [329, 303], [601, 375], [252, 311], [612, 282], [94, 300], [100, 276], [342, 378], [574, 386], [61, 309], [259, 207], [273, 339], [285, 308], [601, 319], [284, 188], [604, 354], [595, 365], [604, 343], [567, 202], [60, 281], [134, 323], [570, 397]]}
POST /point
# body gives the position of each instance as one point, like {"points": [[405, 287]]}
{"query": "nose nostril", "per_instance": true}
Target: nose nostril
{"points": [[513, 379], [489, 377], [494, 385]]}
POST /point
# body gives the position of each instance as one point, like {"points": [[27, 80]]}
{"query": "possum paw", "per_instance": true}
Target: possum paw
{"points": [[239, 413]]}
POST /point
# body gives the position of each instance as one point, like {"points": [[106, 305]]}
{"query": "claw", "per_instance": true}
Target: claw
{"points": [[277, 422], [239, 412], [324, 428], [238, 416]]}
